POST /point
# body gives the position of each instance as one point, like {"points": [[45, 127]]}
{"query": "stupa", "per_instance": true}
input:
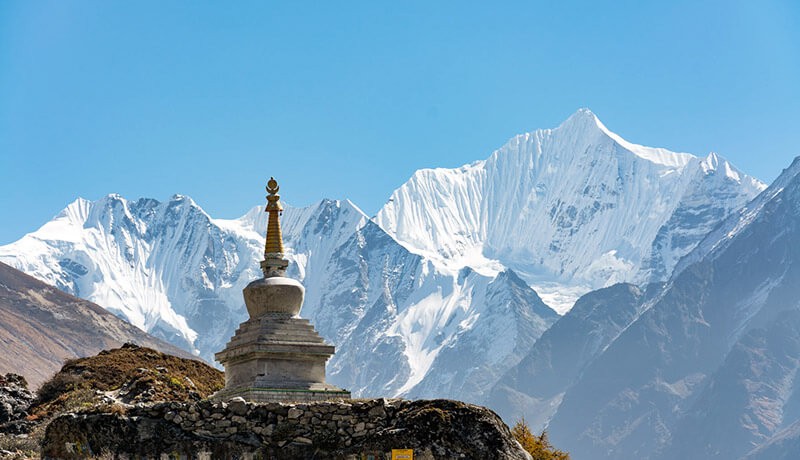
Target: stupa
{"points": [[276, 356]]}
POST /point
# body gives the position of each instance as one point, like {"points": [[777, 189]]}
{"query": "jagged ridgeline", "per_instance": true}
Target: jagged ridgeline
{"points": [[445, 293], [684, 332], [708, 369]]}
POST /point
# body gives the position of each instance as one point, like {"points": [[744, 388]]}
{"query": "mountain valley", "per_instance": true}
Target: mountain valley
{"points": [[633, 301]]}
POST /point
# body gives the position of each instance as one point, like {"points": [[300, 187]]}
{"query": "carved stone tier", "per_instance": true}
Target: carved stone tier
{"points": [[275, 355]]}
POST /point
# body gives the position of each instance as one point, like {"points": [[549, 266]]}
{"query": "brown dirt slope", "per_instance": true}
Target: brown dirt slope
{"points": [[41, 327]]}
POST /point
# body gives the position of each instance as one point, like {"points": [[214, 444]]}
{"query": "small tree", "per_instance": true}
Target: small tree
{"points": [[538, 446]]}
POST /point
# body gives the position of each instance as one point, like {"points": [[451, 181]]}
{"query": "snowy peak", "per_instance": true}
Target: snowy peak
{"points": [[583, 128], [714, 164], [585, 125], [294, 217], [711, 162], [77, 211], [508, 281], [584, 116], [721, 237], [168, 267], [569, 209], [114, 208]]}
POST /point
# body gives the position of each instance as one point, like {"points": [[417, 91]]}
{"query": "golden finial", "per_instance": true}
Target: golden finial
{"points": [[273, 264], [273, 203]]}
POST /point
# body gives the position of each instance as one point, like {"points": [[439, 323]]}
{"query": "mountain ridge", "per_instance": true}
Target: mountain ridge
{"points": [[176, 271], [362, 287], [559, 205], [707, 370]]}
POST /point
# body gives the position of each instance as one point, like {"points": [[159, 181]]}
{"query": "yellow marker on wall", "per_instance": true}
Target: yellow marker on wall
{"points": [[402, 454]]}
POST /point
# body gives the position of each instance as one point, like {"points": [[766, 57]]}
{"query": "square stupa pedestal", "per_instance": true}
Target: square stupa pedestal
{"points": [[276, 356]]}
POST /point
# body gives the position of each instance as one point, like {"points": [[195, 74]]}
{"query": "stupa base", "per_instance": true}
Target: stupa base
{"points": [[283, 395]]}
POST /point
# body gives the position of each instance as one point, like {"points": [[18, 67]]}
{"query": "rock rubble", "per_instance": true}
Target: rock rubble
{"points": [[15, 400]]}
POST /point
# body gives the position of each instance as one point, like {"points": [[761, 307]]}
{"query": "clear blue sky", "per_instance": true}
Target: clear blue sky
{"points": [[347, 100]]}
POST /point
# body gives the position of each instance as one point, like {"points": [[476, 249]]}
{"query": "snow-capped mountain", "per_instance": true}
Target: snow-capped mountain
{"points": [[509, 317], [165, 267], [570, 209], [174, 271], [434, 297], [534, 388], [708, 369]]}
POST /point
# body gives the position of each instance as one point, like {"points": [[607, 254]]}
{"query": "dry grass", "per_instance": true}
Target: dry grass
{"points": [[140, 374], [538, 446], [25, 446], [133, 373], [110, 369]]}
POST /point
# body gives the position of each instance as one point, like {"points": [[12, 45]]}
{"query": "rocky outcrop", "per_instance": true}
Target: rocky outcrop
{"points": [[15, 399], [132, 374], [236, 429]]}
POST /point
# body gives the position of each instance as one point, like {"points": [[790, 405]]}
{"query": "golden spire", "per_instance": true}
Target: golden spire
{"points": [[273, 264], [274, 238]]}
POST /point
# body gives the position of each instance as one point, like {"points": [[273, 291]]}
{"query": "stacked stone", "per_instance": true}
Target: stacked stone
{"points": [[237, 429], [278, 358], [281, 424], [15, 400]]}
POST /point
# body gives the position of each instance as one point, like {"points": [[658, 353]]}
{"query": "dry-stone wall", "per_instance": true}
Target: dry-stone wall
{"points": [[357, 429]]}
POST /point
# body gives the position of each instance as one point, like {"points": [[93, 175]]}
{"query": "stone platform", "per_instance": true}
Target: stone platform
{"points": [[282, 395], [277, 357]]}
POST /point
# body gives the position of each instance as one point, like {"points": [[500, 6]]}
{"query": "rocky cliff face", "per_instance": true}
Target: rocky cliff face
{"points": [[533, 389], [784, 445], [340, 430], [709, 369]]}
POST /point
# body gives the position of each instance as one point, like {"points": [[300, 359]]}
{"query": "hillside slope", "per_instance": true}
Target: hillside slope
{"points": [[41, 327]]}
